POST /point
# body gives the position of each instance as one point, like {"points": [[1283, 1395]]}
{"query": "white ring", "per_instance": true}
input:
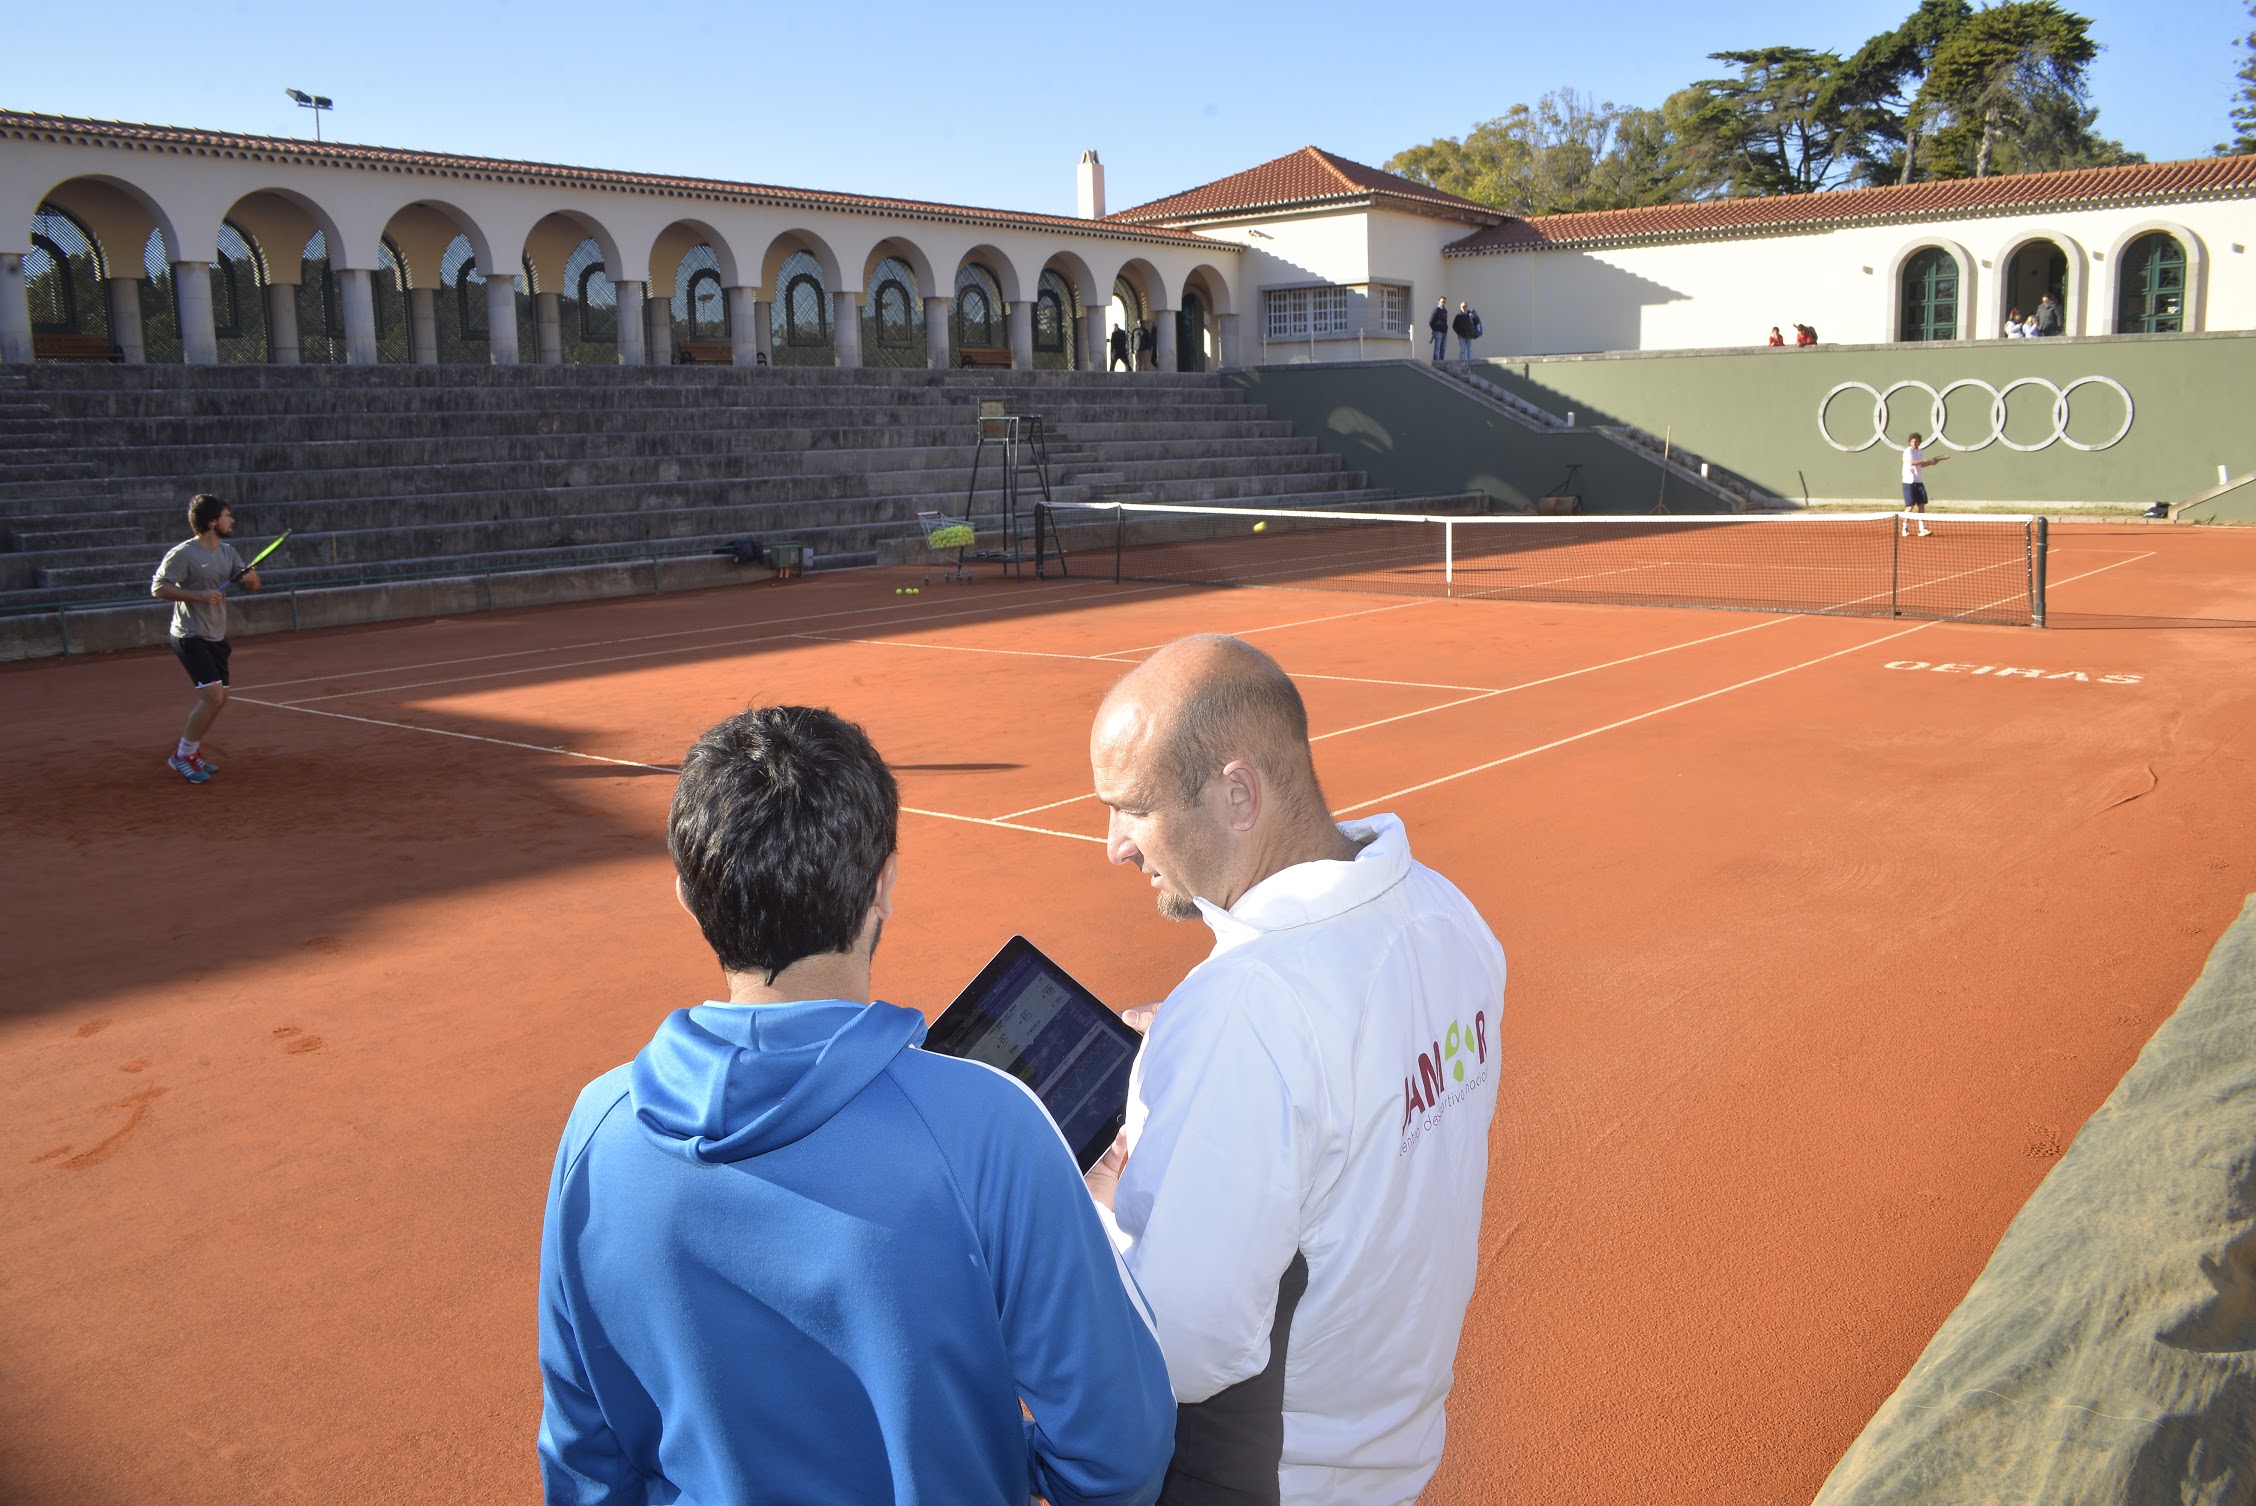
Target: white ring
{"points": [[1938, 413], [1942, 415], [2005, 393], [2129, 413]]}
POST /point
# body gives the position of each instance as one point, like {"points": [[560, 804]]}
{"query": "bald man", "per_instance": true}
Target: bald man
{"points": [[1298, 1187]]}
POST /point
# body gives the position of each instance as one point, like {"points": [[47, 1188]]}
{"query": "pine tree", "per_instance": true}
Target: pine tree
{"points": [[2244, 103]]}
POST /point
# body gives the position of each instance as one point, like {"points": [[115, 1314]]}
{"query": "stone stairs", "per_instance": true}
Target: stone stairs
{"points": [[390, 472]]}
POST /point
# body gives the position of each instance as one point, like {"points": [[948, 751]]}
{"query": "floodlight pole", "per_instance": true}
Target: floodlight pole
{"points": [[314, 102]]}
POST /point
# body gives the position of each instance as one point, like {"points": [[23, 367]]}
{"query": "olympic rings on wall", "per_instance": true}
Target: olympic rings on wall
{"points": [[1938, 414]]}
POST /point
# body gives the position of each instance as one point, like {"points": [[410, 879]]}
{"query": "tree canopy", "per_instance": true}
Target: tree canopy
{"points": [[2244, 102], [1952, 92]]}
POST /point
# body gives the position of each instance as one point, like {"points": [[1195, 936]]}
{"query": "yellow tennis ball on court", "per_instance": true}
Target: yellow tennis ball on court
{"points": [[1262, 526]]}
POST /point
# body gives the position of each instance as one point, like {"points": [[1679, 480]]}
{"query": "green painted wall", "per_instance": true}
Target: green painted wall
{"points": [[1425, 437], [1755, 412]]}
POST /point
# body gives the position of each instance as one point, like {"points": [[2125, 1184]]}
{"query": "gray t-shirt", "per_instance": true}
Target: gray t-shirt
{"points": [[189, 566]]}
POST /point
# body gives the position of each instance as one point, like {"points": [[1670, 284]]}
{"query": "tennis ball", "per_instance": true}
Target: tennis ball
{"points": [[1262, 526]]}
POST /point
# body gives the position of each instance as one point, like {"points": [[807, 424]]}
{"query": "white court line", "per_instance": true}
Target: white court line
{"points": [[566, 648], [1035, 653], [468, 737], [1626, 721], [1482, 695], [1277, 627], [624, 763], [1554, 679], [656, 653], [1005, 824]]}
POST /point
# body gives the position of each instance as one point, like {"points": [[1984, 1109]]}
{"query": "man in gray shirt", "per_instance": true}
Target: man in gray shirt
{"points": [[194, 577]]}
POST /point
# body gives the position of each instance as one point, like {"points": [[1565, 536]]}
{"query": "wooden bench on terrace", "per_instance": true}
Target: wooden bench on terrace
{"points": [[67, 347], [983, 355], [704, 353]]}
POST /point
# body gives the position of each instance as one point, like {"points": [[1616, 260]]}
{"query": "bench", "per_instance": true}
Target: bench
{"points": [[983, 355], [66, 347], [704, 353]]}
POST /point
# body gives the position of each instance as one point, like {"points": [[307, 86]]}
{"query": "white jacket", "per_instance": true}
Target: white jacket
{"points": [[1324, 1083]]}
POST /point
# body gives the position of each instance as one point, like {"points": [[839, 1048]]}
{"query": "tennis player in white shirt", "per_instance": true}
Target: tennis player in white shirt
{"points": [[1298, 1187]]}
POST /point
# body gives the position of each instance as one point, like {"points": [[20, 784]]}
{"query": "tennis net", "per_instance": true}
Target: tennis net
{"points": [[1967, 569]]}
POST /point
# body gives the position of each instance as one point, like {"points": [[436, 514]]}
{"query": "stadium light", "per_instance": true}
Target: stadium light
{"points": [[314, 102]]}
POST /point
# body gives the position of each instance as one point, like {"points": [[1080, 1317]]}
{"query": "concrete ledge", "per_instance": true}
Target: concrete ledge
{"points": [[2107, 1353], [107, 629]]}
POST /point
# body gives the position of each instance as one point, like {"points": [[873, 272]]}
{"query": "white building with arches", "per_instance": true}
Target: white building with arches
{"points": [[161, 244]]}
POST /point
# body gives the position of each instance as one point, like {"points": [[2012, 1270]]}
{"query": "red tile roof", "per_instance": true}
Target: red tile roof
{"points": [[1957, 198], [20, 126], [1308, 176]]}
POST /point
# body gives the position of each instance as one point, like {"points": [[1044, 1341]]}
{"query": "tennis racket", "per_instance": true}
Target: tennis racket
{"points": [[256, 558]]}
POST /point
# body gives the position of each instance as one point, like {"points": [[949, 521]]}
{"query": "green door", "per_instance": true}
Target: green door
{"points": [[1190, 334], [1930, 296], [2151, 295]]}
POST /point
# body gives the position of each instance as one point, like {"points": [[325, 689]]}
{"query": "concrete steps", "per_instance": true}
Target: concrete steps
{"points": [[392, 473]]}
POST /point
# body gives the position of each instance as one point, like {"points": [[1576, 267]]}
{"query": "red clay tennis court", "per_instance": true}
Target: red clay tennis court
{"points": [[1826, 935]]}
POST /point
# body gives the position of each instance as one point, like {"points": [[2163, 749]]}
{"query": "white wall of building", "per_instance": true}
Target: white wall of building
{"points": [[1843, 281]]}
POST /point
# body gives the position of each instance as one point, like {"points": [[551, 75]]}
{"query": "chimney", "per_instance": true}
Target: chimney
{"points": [[1092, 187]]}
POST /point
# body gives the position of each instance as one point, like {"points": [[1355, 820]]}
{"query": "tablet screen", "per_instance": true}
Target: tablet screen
{"points": [[1025, 1015]]}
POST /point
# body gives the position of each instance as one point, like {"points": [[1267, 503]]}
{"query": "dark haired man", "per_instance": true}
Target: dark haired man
{"points": [[194, 576], [1438, 322], [790, 1257], [1298, 1187]]}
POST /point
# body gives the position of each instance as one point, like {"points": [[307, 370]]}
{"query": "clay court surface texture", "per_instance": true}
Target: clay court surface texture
{"points": [[1824, 941]]}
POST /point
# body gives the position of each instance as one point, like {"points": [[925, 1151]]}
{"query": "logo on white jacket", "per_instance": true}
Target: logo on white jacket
{"points": [[1445, 1071]]}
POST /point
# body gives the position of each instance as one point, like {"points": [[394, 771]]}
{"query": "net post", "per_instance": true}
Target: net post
{"points": [[1119, 540], [1448, 557], [1895, 529], [2039, 530]]}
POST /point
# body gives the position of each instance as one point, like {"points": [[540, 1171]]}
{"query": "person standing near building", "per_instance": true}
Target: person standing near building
{"points": [[2048, 316], [1298, 1186], [1147, 346], [1915, 460], [1776, 339], [1118, 343], [1468, 328], [194, 576], [1438, 322], [788, 1256]]}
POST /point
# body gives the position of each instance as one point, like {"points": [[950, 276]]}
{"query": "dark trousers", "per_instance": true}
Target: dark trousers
{"points": [[1228, 1446]]}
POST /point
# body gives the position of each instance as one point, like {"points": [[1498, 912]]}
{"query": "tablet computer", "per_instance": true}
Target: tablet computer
{"points": [[1026, 1016]]}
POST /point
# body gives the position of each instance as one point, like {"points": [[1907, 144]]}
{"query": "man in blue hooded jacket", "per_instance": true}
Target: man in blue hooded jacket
{"points": [[788, 1256]]}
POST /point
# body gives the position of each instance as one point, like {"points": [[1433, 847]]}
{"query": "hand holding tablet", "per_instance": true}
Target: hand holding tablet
{"points": [[1027, 1016]]}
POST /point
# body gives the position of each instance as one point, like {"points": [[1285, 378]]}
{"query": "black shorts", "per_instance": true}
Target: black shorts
{"points": [[204, 659]]}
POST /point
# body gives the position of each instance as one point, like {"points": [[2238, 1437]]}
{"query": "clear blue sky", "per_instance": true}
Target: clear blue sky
{"points": [[988, 104]]}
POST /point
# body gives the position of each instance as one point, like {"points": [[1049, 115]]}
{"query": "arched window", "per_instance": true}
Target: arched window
{"points": [[700, 307], [978, 314], [63, 276], [599, 305], [466, 290], [321, 322], [587, 312], [2150, 286], [47, 286], [1930, 296], [1056, 321], [891, 324], [236, 279], [389, 289], [802, 311], [160, 311]]}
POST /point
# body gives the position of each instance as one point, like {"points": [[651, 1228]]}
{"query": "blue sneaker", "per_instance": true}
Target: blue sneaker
{"points": [[188, 769]]}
